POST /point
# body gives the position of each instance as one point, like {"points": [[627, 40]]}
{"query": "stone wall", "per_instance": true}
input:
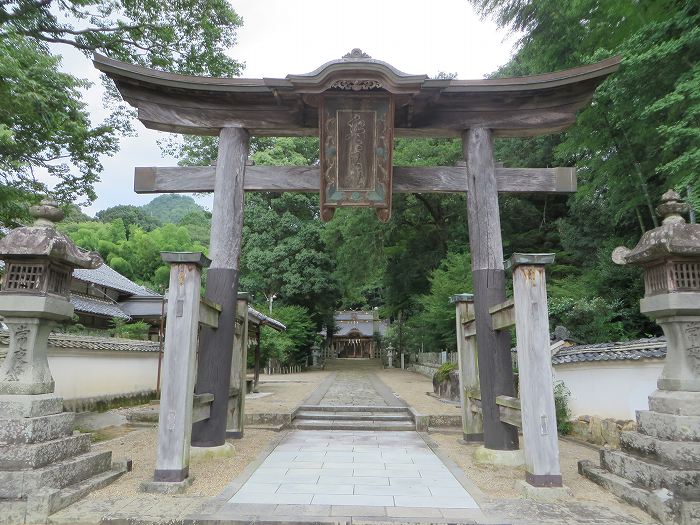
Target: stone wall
{"points": [[600, 431]]}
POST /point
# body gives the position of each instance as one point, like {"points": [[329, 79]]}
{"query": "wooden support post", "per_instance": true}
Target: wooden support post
{"points": [[216, 345], [239, 361], [539, 421], [176, 399], [467, 356], [488, 277], [256, 369]]}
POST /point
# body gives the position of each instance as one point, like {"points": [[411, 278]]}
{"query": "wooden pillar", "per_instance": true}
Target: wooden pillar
{"points": [[216, 345], [488, 277], [236, 417], [535, 370], [174, 430], [467, 357], [256, 372]]}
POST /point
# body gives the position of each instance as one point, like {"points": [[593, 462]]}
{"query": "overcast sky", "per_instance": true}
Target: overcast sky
{"points": [[286, 36]]}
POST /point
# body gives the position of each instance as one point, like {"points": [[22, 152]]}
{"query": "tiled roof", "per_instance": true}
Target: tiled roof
{"points": [[264, 319], [92, 343], [95, 306], [106, 276], [653, 348]]}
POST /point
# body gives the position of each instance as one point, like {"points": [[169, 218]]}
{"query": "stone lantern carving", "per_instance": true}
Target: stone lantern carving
{"points": [[39, 261], [658, 466]]}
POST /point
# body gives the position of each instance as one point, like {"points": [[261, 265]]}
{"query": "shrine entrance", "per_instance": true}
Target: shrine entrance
{"points": [[356, 105]]}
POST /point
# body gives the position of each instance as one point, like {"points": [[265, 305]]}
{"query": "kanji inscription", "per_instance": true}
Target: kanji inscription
{"points": [[356, 139]]}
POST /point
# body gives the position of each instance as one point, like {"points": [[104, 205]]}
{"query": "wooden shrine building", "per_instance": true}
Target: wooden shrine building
{"points": [[356, 105], [355, 334]]}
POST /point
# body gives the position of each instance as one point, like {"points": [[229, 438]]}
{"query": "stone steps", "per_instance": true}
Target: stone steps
{"points": [[679, 454], [21, 483], [647, 473], [355, 425], [36, 429], [353, 416], [659, 503], [668, 426], [37, 455], [373, 418], [72, 493]]}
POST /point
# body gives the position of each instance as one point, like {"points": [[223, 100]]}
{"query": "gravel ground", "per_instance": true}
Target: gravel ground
{"points": [[499, 482], [288, 391], [412, 388], [210, 475]]}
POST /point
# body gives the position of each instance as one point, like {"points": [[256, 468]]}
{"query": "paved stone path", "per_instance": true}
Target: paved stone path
{"points": [[353, 388], [369, 469]]}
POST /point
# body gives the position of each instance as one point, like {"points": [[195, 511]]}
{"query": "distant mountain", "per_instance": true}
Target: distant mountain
{"points": [[171, 207]]}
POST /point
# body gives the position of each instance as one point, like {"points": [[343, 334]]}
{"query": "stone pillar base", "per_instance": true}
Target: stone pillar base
{"points": [[504, 458], [166, 487], [43, 466], [544, 494], [658, 466], [226, 450]]}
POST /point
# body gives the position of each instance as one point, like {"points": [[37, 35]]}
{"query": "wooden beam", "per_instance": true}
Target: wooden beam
{"points": [[209, 313], [509, 408], [442, 179], [503, 315], [201, 407]]}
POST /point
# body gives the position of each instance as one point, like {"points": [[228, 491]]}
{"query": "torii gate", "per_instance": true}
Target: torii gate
{"points": [[356, 105]]}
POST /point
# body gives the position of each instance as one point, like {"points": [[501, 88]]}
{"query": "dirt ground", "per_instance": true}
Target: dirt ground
{"points": [[499, 482], [412, 388], [288, 391], [210, 475]]}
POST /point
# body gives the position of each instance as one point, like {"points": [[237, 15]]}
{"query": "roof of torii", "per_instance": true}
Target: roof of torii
{"points": [[514, 107]]}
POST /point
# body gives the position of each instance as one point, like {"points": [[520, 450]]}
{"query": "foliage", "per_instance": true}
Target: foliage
{"points": [[171, 208], [443, 372], [44, 128], [294, 345], [129, 215], [126, 330], [561, 407], [47, 142]]}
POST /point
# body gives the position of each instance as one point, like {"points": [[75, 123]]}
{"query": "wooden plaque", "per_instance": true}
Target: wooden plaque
{"points": [[357, 132]]}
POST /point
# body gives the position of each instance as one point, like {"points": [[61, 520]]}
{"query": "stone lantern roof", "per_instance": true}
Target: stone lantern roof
{"points": [[42, 240], [674, 238]]}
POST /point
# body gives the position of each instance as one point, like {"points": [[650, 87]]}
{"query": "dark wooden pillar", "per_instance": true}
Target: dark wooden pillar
{"points": [[216, 345], [488, 275]]}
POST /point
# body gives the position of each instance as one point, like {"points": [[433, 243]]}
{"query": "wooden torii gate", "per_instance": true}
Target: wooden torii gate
{"points": [[356, 105]]}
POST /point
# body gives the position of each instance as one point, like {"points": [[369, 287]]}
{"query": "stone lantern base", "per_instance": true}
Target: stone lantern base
{"points": [[658, 466], [43, 466]]}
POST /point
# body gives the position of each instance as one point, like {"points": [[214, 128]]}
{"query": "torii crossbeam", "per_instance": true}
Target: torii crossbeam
{"points": [[356, 105]]}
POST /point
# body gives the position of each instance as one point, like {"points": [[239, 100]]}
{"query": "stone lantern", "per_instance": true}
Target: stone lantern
{"points": [[44, 466], [658, 466], [39, 262]]}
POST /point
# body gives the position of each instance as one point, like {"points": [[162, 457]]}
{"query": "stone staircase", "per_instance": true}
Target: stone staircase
{"points": [[43, 466], [352, 363], [331, 417]]}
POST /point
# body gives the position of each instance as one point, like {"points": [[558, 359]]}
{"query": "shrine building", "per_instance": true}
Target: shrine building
{"points": [[356, 334]]}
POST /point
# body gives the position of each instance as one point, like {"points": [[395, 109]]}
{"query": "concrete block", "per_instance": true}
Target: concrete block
{"points": [[19, 406], [36, 429], [683, 483], [675, 402], [505, 458], [668, 426], [32, 456], [678, 454], [544, 494]]}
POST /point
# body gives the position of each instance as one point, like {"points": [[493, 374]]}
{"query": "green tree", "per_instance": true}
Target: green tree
{"points": [[171, 208], [129, 215], [294, 345], [44, 128]]}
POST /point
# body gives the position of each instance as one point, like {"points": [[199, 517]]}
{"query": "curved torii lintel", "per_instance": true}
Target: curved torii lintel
{"points": [[516, 107]]}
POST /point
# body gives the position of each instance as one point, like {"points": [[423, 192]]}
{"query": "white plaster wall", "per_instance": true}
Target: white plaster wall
{"points": [[609, 389], [87, 373]]}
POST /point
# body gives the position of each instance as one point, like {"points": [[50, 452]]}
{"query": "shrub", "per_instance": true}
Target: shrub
{"points": [[137, 330], [443, 373], [561, 407]]}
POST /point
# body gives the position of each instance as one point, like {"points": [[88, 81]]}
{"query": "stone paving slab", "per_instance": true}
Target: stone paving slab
{"points": [[374, 475]]}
